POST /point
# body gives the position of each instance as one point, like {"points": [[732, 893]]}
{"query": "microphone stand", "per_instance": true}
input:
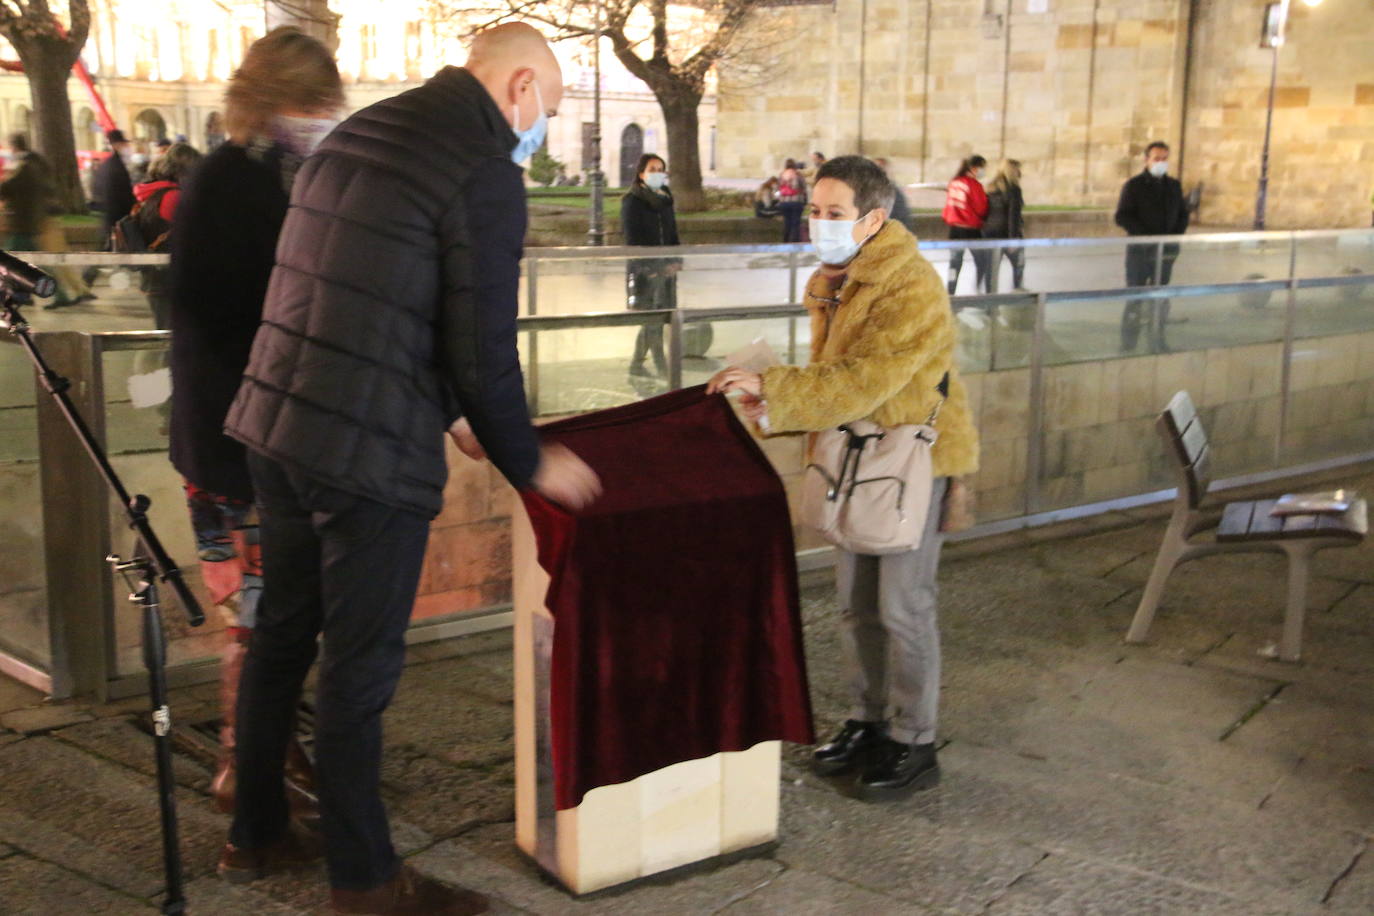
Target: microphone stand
{"points": [[149, 566]]}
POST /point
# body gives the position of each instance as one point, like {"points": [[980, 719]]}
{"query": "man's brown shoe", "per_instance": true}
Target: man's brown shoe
{"points": [[409, 894], [297, 848]]}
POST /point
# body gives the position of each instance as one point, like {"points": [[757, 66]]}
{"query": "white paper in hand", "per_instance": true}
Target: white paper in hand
{"points": [[755, 357]]}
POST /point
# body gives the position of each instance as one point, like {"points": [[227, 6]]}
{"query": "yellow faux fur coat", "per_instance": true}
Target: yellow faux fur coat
{"points": [[879, 353]]}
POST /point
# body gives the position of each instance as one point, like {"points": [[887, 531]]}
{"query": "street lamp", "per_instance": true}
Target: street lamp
{"points": [[1271, 36], [596, 232]]}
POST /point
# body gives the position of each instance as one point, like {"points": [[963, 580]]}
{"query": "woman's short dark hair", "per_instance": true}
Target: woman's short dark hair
{"points": [[873, 190], [969, 164], [176, 164], [644, 164]]}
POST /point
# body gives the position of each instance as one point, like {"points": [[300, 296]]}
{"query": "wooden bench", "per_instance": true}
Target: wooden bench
{"points": [[1240, 527]]}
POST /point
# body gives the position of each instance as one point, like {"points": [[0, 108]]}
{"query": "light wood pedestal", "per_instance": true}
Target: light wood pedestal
{"points": [[682, 814]]}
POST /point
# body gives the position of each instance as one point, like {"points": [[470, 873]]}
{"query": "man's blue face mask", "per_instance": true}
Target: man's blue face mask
{"points": [[531, 138]]}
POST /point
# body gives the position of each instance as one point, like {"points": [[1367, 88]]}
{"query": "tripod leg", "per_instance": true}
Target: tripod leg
{"points": [[155, 659]]}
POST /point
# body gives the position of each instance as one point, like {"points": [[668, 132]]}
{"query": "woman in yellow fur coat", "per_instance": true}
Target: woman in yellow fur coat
{"points": [[882, 338]]}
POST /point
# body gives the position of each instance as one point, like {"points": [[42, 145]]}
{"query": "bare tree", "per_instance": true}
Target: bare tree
{"points": [[674, 64], [48, 50]]}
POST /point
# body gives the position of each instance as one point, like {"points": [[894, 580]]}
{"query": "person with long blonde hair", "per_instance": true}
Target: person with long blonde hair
{"points": [[283, 99], [1004, 221]]}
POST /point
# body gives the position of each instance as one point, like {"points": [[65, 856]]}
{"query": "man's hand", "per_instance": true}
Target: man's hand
{"points": [[727, 380], [565, 478], [467, 443]]}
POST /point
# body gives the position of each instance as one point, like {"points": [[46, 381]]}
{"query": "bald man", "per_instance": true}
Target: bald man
{"points": [[390, 319]]}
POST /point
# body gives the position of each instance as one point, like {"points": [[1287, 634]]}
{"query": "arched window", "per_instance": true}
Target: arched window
{"points": [[149, 125], [631, 148]]}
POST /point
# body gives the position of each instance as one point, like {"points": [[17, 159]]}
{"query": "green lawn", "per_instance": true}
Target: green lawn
{"points": [[79, 219]]}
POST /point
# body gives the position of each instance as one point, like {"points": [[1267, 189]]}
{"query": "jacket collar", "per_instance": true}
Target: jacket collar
{"points": [[460, 82], [876, 258]]}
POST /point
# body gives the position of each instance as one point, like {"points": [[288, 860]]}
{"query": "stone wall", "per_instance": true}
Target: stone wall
{"points": [[1322, 150], [1074, 89]]}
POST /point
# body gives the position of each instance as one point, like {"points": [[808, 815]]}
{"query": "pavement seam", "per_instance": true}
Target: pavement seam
{"points": [[93, 752], [1254, 710], [1345, 872], [1354, 587], [19, 850], [1014, 881], [783, 868]]}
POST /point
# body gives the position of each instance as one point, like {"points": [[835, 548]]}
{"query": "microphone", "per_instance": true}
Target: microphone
{"points": [[21, 276]]}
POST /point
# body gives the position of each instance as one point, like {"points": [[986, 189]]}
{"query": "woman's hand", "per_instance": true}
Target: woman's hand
{"points": [[725, 381], [753, 408]]}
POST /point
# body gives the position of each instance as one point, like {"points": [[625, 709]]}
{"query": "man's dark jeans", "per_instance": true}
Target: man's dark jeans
{"points": [[1143, 262], [347, 567]]}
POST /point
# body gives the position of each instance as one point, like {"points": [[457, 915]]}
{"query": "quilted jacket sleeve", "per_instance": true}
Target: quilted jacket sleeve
{"points": [[482, 243]]}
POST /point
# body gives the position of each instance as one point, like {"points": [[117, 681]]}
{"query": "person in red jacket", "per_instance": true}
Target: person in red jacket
{"points": [[966, 206]]}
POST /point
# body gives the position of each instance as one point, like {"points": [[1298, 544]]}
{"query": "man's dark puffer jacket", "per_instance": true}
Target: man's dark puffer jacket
{"points": [[391, 310]]}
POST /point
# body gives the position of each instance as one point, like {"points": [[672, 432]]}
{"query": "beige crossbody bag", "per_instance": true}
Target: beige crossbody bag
{"points": [[868, 488]]}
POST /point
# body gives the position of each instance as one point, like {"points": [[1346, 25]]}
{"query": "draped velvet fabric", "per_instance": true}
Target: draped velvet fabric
{"points": [[677, 631]]}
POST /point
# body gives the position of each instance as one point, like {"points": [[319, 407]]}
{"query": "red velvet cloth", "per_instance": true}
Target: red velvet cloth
{"points": [[677, 629]]}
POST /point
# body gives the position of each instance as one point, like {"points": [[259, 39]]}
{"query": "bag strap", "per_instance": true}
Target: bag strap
{"points": [[943, 388]]}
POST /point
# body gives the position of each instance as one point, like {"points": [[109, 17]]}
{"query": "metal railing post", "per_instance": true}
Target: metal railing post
{"points": [[532, 308], [1035, 417], [76, 522], [675, 351], [1286, 381], [792, 300]]}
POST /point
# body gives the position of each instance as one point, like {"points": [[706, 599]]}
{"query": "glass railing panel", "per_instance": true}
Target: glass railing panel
{"points": [[1078, 330], [1100, 402], [994, 332], [1335, 254], [24, 628], [687, 277], [591, 365], [1346, 307], [1330, 409], [1218, 259], [100, 292], [137, 391]]}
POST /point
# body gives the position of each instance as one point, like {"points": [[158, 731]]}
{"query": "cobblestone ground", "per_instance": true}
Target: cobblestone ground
{"points": [[1190, 775]]}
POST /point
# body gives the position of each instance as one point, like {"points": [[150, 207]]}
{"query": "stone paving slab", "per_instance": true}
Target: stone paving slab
{"points": [[36, 719], [1130, 822], [121, 741], [800, 893], [30, 886], [488, 861], [65, 805], [889, 849], [1066, 884]]}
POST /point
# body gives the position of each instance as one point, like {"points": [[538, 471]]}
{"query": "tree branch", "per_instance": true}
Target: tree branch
{"points": [[79, 12]]}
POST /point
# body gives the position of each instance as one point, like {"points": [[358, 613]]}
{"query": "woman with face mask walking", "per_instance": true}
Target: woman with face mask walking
{"points": [[966, 206], [882, 345], [648, 218], [278, 106]]}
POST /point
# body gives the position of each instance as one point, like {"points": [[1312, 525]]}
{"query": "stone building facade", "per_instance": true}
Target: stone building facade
{"points": [[161, 70], [1074, 89]]}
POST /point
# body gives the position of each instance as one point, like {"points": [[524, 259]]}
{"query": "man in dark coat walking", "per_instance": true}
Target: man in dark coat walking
{"points": [[112, 187], [389, 319], [1151, 204]]}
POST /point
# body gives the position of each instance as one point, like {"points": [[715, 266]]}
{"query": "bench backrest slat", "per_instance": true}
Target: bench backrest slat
{"points": [[1181, 427]]}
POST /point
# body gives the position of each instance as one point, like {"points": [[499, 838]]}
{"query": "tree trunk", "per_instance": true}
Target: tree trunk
{"points": [[52, 123], [680, 107]]}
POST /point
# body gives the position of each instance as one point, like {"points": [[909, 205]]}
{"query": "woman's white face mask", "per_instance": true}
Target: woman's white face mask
{"points": [[834, 241]]}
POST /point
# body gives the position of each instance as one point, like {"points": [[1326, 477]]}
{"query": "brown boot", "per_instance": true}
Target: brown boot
{"points": [[300, 772], [409, 894], [297, 848], [230, 670]]}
